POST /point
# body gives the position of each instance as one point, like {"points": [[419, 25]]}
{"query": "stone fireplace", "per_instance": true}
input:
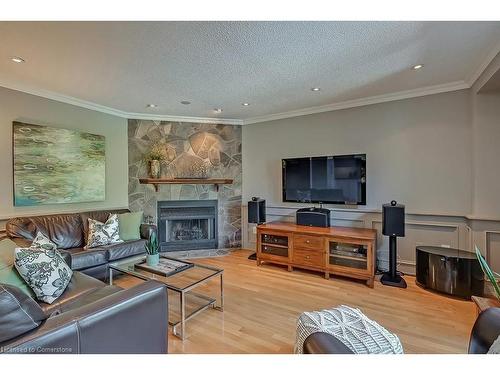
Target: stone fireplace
{"points": [[183, 210], [187, 225]]}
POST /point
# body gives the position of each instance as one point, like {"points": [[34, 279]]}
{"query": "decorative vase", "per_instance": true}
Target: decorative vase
{"points": [[152, 260], [154, 168]]}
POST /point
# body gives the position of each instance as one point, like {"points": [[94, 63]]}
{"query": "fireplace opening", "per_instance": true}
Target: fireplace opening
{"points": [[187, 225]]}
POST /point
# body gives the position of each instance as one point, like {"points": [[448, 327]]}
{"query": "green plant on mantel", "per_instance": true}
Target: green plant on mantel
{"points": [[156, 152], [490, 274], [152, 247]]}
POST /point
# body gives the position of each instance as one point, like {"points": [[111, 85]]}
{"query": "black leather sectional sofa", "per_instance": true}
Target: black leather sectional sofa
{"points": [[90, 316], [69, 233]]}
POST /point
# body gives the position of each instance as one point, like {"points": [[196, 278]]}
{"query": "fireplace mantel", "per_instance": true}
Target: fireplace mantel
{"points": [[201, 181]]}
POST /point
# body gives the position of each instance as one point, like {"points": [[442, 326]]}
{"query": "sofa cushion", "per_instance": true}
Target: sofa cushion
{"points": [[79, 286], [19, 313], [101, 216], [130, 225], [45, 271], [124, 249], [64, 230], [82, 258], [100, 234]]}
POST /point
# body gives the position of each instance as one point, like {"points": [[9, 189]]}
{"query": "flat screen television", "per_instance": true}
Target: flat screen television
{"points": [[325, 179]]}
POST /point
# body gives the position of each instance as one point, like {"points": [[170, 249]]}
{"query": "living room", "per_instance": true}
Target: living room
{"points": [[237, 186]]}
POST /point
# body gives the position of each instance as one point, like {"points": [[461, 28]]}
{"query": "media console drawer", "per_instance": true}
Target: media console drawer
{"points": [[304, 241], [309, 258]]}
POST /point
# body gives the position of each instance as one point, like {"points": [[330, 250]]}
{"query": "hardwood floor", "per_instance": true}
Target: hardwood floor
{"points": [[262, 305]]}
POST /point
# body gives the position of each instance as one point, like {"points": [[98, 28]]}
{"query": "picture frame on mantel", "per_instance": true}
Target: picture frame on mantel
{"points": [[55, 165]]}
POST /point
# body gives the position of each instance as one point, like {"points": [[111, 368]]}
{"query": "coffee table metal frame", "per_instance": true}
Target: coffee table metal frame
{"points": [[123, 267]]}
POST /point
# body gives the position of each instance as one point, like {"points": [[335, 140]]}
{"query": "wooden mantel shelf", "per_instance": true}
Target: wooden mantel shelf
{"points": [[176, 181]]}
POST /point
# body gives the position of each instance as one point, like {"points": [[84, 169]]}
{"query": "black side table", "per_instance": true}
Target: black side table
{"points": [[451, 271]]}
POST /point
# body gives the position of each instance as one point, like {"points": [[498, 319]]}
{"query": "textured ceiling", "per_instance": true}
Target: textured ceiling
{"points": [[271, 65]]}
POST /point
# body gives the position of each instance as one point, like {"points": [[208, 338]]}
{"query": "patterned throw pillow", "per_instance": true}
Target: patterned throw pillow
{"points": [[101, 234], [44, 270], [41, 240], [495, 348]]}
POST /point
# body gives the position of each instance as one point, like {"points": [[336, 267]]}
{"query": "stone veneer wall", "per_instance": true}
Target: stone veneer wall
{"points": [[191, 147]]}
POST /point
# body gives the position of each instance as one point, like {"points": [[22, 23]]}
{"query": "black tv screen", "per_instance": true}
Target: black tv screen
{"points": [[325, 179]]}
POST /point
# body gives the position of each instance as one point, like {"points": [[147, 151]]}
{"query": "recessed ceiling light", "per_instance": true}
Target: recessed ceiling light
{"points": [[217, 110], [418, 66], [17, 59], [245, 104], [185, 102], [151, 106], [315, 89]]}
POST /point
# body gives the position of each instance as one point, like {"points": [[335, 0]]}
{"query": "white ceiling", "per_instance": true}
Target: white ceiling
{"points": [[122, 66]]}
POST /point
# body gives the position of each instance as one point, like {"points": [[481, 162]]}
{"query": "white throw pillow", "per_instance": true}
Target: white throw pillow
{"points": [[101, 234], [42, 239], [44, 270], [495, 348]]}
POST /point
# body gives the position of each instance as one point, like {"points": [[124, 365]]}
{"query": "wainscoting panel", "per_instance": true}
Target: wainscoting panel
{"points": [[493, 249], [416, 234]]}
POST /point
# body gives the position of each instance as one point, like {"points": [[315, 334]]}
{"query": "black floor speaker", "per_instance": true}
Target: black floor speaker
{"points": [[257, 211], [256, 215], [393, 225]]}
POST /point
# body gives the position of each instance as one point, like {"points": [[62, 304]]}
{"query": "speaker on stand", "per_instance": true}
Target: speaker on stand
{"points": [[393, 225], [256, 215]]}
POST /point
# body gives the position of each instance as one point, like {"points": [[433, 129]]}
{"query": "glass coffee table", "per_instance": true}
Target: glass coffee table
{"points": [[190, 303]]}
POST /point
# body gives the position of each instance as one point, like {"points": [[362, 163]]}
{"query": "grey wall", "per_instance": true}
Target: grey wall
{"points": [[486, 155], [418, 151], [436, 154], [18, 106]]}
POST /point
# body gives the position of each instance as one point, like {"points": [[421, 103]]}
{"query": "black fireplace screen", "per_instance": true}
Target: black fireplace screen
{"points": [[189, 230], [187, 225]]}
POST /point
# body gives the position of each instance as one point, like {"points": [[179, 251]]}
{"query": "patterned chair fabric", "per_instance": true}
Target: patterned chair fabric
{"points": [[351, 327]]}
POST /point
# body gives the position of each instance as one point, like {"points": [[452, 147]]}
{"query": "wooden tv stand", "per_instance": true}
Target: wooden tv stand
{"points": [[336, 250]]}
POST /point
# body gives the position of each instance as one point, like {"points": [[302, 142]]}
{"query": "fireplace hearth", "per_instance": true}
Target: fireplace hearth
{"points": [[187, 225]]}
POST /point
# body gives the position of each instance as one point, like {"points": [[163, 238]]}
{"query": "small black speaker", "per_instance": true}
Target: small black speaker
{"points": [[313, 217], [393, 219], [257, 210]]}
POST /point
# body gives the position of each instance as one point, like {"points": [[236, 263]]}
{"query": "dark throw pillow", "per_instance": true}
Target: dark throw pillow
{"points": [[19, 313]]}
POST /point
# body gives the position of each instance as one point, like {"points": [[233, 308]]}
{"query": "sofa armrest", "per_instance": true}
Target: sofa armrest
{"points": [[146, 230], [324, 343], [130, 321], [485, 331]]}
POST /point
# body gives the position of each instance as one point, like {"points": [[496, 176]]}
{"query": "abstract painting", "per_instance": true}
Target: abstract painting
{"points": [[54, 165]]}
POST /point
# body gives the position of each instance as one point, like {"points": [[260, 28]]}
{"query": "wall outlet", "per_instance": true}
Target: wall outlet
{"points": [[447, 246], [254, 229]]}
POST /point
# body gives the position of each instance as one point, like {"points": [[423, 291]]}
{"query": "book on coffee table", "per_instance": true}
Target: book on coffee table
{"points": [[166, 267]]}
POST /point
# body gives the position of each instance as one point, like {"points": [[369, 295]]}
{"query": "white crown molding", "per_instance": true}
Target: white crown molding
{"points": [[429, 90], [474, 76], [116, 112], [199, 120], [62, 98]]}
